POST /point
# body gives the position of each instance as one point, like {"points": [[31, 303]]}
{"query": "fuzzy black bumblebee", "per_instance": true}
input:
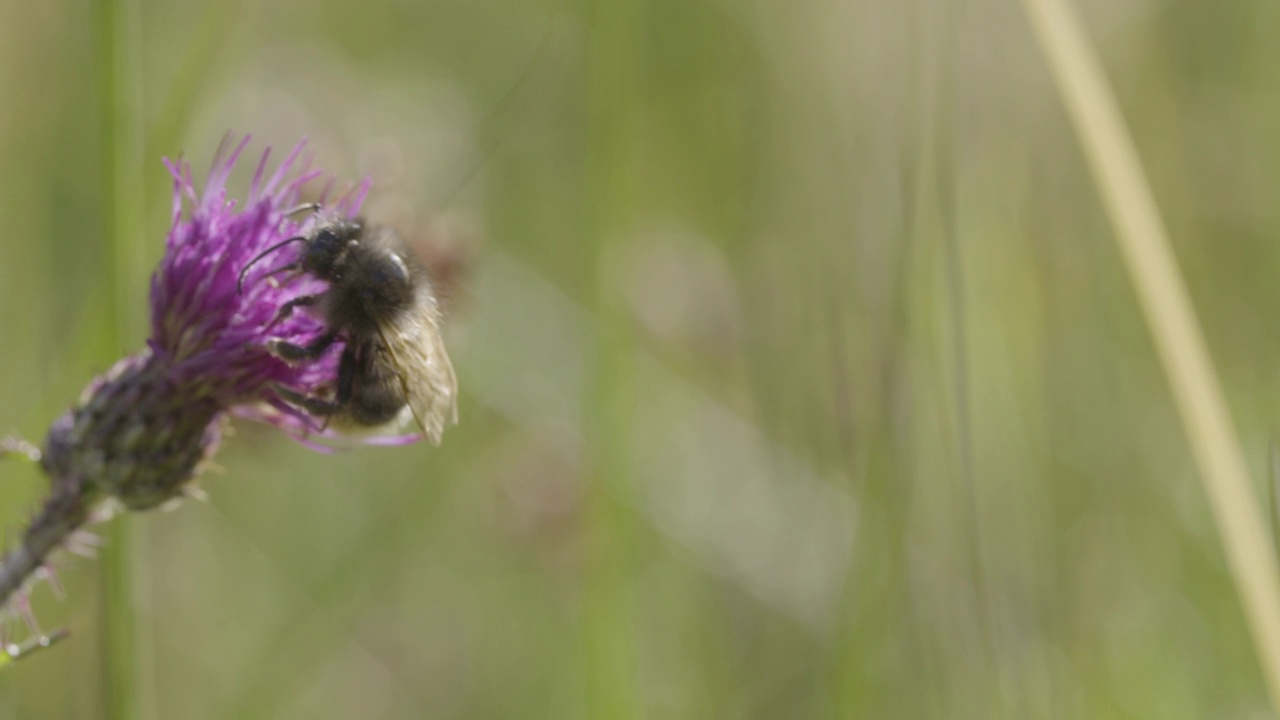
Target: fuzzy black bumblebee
{"points": [[381, 306]]}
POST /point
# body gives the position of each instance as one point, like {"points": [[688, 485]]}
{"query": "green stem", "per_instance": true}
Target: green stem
{"points": [[616, 58], [120, 663], [117, 42]]}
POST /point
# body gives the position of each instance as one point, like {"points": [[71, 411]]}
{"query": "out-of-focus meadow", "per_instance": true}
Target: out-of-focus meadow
{"points": [[801, 375]]}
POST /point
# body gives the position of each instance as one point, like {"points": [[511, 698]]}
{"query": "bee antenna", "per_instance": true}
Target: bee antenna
{"points": [[264, 253], [304, 207]]}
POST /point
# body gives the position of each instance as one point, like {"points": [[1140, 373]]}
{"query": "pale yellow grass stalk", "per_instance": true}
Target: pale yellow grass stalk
{"points": [[1167, 307]]}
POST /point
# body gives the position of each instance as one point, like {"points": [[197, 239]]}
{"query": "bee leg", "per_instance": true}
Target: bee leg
{"points": [[267, 276], [292, 353], [287, 309], [346, 381], [327, 408], [314, 405], [290, 271]]}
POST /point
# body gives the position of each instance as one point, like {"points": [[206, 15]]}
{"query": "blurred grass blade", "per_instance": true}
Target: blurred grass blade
{"points": [[118, 30], [210, 45], [1273, 494], [1168, 311], [616, 52]]}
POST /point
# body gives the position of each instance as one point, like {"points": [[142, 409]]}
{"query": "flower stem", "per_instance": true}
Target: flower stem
{"points": [[63, 513]]}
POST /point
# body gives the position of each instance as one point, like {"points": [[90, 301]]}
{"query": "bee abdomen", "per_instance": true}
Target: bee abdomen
{"points": [[375, 404]]}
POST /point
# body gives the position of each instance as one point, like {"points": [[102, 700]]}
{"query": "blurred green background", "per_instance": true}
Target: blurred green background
{"points": [[800, 374]]}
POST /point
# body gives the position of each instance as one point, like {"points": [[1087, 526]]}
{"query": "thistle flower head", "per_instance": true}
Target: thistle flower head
{"points": [[213, 334], [140, 433]]}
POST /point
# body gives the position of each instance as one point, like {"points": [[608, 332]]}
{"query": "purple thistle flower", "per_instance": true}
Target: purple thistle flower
{"points": [[140, 433], [212, 335]]}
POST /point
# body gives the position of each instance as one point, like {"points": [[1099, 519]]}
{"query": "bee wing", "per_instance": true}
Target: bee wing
{"points": [[422, 362]]}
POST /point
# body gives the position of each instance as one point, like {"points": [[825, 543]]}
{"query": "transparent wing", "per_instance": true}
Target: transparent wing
{"points": [[418, 351]]}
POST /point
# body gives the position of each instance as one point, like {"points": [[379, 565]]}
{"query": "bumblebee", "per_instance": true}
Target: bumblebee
{"points": [[380, 303]]}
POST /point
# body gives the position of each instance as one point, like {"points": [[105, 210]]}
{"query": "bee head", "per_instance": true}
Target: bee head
{"points": [[328, 249]]}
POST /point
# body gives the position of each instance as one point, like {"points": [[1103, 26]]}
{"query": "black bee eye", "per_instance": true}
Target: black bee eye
{"points": [[398, 269]]}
